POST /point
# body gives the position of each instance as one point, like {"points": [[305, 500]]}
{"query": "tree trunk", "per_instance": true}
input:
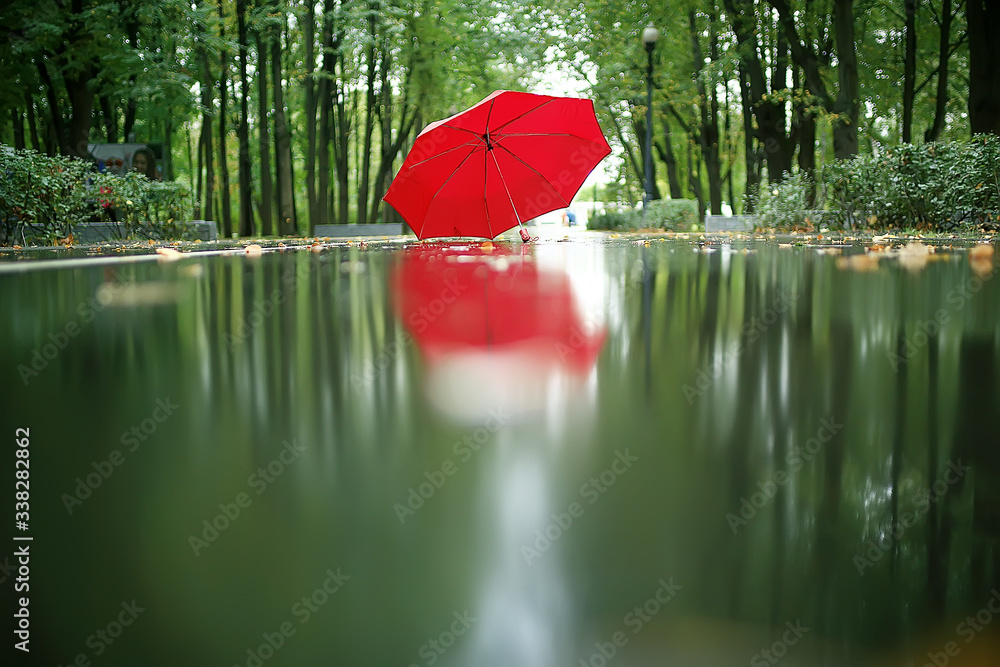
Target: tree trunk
{"points": [[29, 106], [671, 161], [199, 171], [751, 158], [371, 99], [909, 68], [984, 66], [283, 147], [770, 115], [205, 144], [325, 103], [110, 120], [342, 150], [804, 130], [264, 143], [167, 159], [694, 181], [225, 203], [707, 134], [944, 50], [309, 35], [246, 225], [847, 105], [132, 36], [17, 121], [55, 116]]}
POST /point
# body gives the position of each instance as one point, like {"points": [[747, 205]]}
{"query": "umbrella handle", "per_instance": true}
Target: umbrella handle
{"points": [[525, 237]]}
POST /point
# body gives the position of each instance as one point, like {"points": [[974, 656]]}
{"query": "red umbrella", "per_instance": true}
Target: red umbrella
{"points": [[510, 158], [461, 301]]}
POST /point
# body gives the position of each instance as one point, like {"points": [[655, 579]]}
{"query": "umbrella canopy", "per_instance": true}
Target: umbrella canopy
{"points": [[510, 158]]}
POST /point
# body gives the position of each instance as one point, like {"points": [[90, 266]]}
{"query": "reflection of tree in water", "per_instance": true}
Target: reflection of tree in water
{"points": [[827, 356]]}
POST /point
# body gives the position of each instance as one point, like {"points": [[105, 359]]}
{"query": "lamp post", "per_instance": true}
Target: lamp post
{"points": [[649, 37]]}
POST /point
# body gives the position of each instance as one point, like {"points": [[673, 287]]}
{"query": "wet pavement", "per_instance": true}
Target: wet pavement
{"points": [[593, 450]]}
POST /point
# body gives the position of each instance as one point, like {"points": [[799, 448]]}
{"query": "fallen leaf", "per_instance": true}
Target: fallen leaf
{"points": [[981, 251], [861, 262], [168, 254], [913, 256]]}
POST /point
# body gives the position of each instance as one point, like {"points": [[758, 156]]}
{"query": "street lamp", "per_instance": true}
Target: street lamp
{"points": [[649, 37]]}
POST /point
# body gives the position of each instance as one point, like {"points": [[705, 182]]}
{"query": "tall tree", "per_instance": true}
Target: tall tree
{"points": [[225, 204], [984, 66], [909, 67], [266, 207], [944, 55], [768, 110], [246, 223], [283, 143], [309, 85], [846, 105], [207, 85]]}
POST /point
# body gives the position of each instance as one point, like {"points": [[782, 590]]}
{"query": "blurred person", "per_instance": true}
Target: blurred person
{"points": [[144, 162]]}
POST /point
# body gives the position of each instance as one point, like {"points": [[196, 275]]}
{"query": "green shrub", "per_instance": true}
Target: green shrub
{"points": [[940, 186], [611, 219], [665, 214], [787, 204], [674, 215], [42, 197]]}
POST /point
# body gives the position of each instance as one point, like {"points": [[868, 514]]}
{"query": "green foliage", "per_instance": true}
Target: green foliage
{"points": [[612, 219], [45, 196], [672, 215], [786, 204], [938, 186]]}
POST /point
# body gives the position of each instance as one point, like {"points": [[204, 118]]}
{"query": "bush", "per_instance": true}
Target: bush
{"points": [[787, 204], [674, 215], [611, 219], [940, 186], [43, 197], [665, 214]]}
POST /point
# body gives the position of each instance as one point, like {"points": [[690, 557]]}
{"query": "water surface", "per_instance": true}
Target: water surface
{"points": [[610, 451]]}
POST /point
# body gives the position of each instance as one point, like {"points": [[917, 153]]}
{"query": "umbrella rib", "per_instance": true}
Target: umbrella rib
{"points": [[525, 114], [461, 129], [537, 173], [549, 134], [486, 203], [486, 172], [506, 189], [444, 152]]}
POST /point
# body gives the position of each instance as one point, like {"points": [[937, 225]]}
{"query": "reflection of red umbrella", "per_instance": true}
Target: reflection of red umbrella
{"points": [[510, 158], [471, 301]]}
